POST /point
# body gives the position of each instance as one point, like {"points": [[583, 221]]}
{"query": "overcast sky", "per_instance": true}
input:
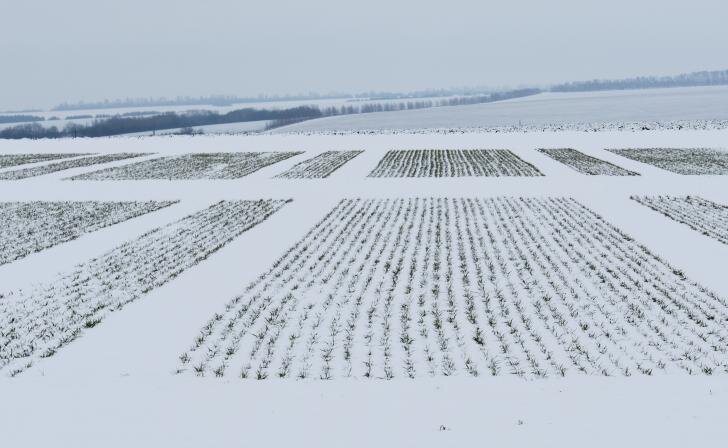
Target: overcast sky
{"points": [[52, 51]]}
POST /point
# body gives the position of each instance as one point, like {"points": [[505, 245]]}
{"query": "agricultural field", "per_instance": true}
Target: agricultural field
{"points": [[8, 160], [192, 166], [706, 217], [29, 227], [442, 296], [24, 173], [584, 163], [690, 161], [453, 163], [37, 323], [532, 287], [320, 166]]}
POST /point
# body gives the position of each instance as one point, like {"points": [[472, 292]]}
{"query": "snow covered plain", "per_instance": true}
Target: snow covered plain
{"points": [[117, 384], [545, 109], [62, 118]]}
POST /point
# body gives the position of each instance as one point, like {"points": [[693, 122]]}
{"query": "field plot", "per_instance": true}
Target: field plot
{"points": [[452, 163], [679, 160], [320, 166], [28, 227], [699, 214], [65, 165], [416, 287], [223, 165], [36, 323], [8, 160], [586, 164]]}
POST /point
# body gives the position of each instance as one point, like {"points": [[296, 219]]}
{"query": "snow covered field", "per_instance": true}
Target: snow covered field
{"points": [[650, 105], [61, 119], [666, 105], [637, 296]]}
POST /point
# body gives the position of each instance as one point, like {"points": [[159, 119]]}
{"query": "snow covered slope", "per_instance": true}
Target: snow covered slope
{"points": [[663, 105]]}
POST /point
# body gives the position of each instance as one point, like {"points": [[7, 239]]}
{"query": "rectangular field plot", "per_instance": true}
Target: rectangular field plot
{"points": [[320, 166], [36, 323], [224, 165], [65, 165], [586, 164], [428, 287], [453, 163], [8, 160], [699, 214], [681, 161], [28, 227]]}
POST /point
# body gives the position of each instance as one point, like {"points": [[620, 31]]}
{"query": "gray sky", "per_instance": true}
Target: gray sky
{"points": [[89, 50]]}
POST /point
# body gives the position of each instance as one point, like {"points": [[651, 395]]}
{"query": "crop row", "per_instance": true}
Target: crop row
{"points": [[680, 161], [452, 163], [65, 165], [706, 217], [29, 227], [586, 164], [8, 160], [416, 287], [35, 323], [319, 166], [225, 165], [398, 163]]}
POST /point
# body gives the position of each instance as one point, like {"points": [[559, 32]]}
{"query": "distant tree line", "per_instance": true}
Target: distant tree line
{"points": [[228, 100], [426, 93], [703, 78], [30, 130], [117, 125], [391, 106], [133, 114], [426, 103], [212, 100], [19, 118], [120, 124], [215, 100], [79, 117]]}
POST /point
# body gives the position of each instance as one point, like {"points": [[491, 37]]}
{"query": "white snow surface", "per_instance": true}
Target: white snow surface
{"points": [[549, 108], [115, 386]]}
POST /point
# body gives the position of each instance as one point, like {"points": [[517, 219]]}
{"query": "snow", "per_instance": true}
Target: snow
{"points": [[189, 412], [664, 105], [660, 107], [115, 386]]}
